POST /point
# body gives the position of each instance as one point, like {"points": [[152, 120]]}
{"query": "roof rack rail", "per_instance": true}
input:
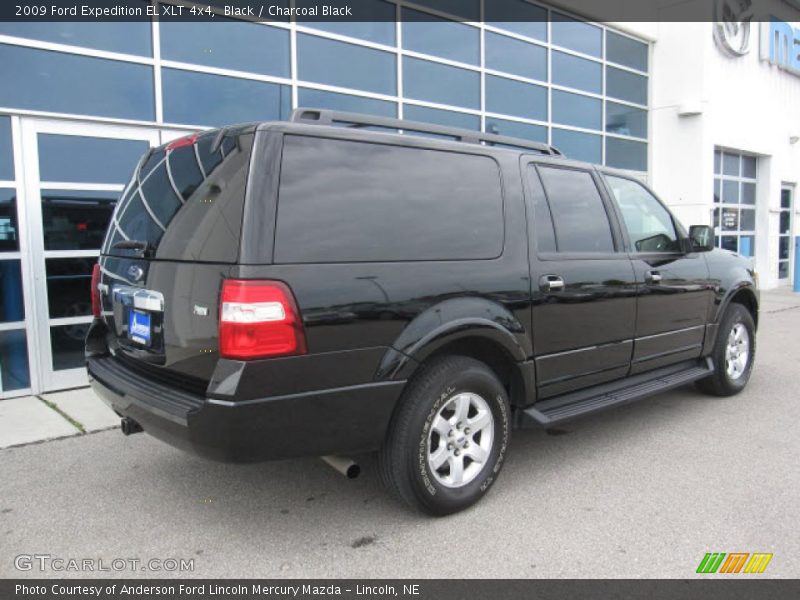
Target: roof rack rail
{"points": [[316, 116]]}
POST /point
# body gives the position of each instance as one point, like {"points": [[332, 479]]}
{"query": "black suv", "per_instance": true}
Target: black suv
{"points": [[332, 286]]}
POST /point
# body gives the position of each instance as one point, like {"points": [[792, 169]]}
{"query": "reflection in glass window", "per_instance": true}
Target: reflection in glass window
{"points": [[513, 56], [67, 343], [82, 159], [536, 133], [517, 16], [14, 373], [648, 223], [626, 154], [9, 228], [12, 307], [424, 80], [577, 110], [448, 118], [76, 220], [69, 286], [346, 102], [423, 32], [346, 65], [626, 51], [576, 35], [128, 37], [227, 44], [578, 145], [626, 86], [510, 97], [51, 81], [579, 73], [378, 24], [6, 149], [626, 120], [215, 100]]}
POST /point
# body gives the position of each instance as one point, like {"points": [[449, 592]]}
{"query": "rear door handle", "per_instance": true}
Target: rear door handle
{"points": [[551, 283], [653, 277]]}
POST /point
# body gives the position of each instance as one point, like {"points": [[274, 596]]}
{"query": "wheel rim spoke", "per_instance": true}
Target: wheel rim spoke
{"points": [[456, 469], [477, 453]]}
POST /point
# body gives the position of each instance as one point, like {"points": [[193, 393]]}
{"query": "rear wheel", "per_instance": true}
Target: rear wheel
{"points": [[449, 436], [733, 354]]}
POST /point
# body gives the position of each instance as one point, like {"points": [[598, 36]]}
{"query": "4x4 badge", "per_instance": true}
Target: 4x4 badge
{"points": [[200, 311]]}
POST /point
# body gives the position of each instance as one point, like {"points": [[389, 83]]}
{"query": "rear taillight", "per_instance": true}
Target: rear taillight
{"points": [[97, 306], [182, 142], [259, 319]]}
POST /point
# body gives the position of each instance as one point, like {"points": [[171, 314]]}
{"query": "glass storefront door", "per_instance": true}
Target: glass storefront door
{"points": [[785, 246], [73, 175]]}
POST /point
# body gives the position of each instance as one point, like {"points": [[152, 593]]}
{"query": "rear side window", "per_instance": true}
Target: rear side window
{"points": [[579, 217], [345, 201]]}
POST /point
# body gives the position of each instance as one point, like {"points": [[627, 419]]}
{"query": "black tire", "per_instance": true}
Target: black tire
{"points": [[720, 383], [403, 460]]}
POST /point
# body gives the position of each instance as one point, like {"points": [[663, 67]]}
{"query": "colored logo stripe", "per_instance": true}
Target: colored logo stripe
{"points": [[758, 563], [735, 561], [711, 562]]}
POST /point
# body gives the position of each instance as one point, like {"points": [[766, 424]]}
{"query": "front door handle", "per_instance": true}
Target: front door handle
{"points": [[652, 277], [551, 283]]}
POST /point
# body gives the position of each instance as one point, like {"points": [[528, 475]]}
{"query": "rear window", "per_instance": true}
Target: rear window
{"points": [[185, 202], [345, 201]]}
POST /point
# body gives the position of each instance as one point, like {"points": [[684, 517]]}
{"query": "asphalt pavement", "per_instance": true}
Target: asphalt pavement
{"points": [[641, 491]]}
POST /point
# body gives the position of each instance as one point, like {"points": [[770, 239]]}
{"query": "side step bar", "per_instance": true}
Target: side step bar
{"points": [[563, 408]]}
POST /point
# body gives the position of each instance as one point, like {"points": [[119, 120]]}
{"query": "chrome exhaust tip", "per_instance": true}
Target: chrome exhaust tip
{"points": [[346, 466]]}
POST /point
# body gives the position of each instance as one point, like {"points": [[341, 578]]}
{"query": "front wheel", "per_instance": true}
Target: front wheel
{"points": [[449, 436], [733, 353]]}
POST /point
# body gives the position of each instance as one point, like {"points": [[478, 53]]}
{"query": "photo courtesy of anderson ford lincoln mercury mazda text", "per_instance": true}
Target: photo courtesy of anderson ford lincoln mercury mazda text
{"points": [[330, 286]]}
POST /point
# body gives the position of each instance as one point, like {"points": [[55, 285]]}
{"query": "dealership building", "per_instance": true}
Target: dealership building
{"points": [[707, 114]]}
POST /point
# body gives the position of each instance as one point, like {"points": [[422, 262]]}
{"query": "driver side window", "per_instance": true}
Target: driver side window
{"points": [[649, 224]]}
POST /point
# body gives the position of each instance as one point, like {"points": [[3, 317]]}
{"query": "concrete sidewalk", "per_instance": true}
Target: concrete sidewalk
{"points": [[57, 415]]}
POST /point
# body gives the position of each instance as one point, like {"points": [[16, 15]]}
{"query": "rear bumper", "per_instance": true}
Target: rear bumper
{"points": [[335, 421]]}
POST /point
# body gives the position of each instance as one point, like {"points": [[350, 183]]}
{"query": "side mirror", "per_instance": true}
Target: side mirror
{"points": [[701, 238]]}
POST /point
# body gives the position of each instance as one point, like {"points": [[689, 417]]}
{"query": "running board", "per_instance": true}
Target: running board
{"points": [[563, 408]]}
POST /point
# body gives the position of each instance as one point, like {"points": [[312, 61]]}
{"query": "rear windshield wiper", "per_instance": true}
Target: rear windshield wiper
{"points": [[144, 247]]}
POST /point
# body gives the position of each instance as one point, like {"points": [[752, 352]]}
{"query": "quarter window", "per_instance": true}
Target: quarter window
{"points": [[580, 220], [649, 224]]}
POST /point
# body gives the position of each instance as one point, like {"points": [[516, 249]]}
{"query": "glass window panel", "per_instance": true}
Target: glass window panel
{"points": [[749, 167], [127, 37], [576, 35], [69, 286], [717, 190], [424, 80], [626, 120], [786, 198], [783, 270], [514, 56], [76, 220], [6, 149], [626, 86], [226, 44], [730, 192], [441, 117], [506, 96], [425, 33], [376, 21], [9, 227], [80, 159], [717, 162], [747, 220], [715, 217], [578, 145], [346, 102], [517, 16], [215, 100], [545, 234], [536, 133], [55, 81], [346, 65], [67, 343], [730, 164], [746, 245], [470, 10], [626, 51], [785, 222], [577, 110], [626, 154], [783, 248], [748, 193], [648, 223], [12, 307], [14, 373], [730, 242], [579, 73], [730, 219]]}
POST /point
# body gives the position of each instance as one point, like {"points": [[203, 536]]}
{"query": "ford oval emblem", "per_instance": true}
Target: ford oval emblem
{"points": [[135, 272]]}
